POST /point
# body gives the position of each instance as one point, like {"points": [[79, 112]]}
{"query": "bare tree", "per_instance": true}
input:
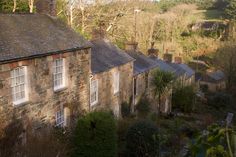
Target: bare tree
{"points": [[14, 6], [31, 5]]}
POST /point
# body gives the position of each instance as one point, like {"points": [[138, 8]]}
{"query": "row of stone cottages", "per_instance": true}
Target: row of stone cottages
{"points": [[50, 75]]}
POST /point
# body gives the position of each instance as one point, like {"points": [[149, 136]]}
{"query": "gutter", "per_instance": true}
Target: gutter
{"points": [[42, 55]]}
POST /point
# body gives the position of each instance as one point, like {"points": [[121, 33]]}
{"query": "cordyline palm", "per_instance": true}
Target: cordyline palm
{"points": [[161, 80]]}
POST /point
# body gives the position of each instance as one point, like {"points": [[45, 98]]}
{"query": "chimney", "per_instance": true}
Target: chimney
{"points": [[131, 46], [178, 60], [152, 52], [98, 34], [46, 7], [167, 56]]}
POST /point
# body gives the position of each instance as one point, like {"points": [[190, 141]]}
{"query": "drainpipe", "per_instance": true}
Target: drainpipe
{"points": [[132, 109]]}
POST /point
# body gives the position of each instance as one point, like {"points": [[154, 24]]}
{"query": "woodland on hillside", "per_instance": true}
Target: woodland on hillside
{"points": [[170, 24], [195, 29]]}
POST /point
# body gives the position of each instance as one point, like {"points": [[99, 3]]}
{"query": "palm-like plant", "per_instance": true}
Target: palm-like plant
{"points": [[161, 81]]}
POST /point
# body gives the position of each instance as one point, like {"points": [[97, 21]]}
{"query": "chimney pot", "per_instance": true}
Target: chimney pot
{"points": [[131, 46], [46, 7], [98, 34], [152, 51], [168, 57], [178, 60]]}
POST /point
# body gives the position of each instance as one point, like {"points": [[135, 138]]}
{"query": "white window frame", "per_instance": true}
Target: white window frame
{"points": [[56, 74], [116, 82], [93, 90], [60, 117], [17, 85]]}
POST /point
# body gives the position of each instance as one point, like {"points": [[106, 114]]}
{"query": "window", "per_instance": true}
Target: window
{"points": [[116, 83], [59, 74], [19, 85], [60, 120], [93, 92]]}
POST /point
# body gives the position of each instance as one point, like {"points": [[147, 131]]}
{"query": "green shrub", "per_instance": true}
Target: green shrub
{"points": [[142, 140], [125, 109], [95, 136], [143, 106], [211, 143], [183, 98], [219, 100]]}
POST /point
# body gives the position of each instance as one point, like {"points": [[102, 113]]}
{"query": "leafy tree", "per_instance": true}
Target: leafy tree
{"points": [[225, 59], [142, 140], [143, 106], [95, 135], [211, 143], [184, 98], [161, 80], [219, 100], [230, 10], [6, 6]]}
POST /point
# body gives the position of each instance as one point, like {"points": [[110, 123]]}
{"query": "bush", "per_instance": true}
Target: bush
{"points": [[143, 106], [125, 109], [220, 100], [142, 140], [95, 135], [184, 98]]}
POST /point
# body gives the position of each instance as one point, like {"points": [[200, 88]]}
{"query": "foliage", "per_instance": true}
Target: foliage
{"points": [[220, 100], [6, 6], [161, 81], [143, 106], [230, 10], [22, 141], [211, 143], [95, 135], [10, 137], [125, 109], [225, 59], [184, 98], [142, 140]]}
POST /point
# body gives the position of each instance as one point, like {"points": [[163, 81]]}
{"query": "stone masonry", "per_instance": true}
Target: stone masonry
{"points": [[43, 102], [106, 97]]}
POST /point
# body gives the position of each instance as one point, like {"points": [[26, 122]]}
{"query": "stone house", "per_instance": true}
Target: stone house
{"points": [[112, 76], [182, 72], [142, 74], [44, 71], [213, 80]]}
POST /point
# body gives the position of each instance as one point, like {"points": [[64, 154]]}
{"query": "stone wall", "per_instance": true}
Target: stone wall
{"points": [[106, 97], [43, 102]]}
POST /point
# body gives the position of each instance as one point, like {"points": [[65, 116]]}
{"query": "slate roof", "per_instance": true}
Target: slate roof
{"points": [[188, 71], [178, 70], [105, 56], [25, 36], [217, 75], [163, 65], [142, 63], [213, 77]]}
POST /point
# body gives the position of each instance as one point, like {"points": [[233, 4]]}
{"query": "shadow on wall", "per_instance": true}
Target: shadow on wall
{"points": [[16, 139]]}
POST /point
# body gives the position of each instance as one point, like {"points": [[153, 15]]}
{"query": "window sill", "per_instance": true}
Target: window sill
{"points": [[117, 93], [59, 89], [93, 104], [20, 103]]}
